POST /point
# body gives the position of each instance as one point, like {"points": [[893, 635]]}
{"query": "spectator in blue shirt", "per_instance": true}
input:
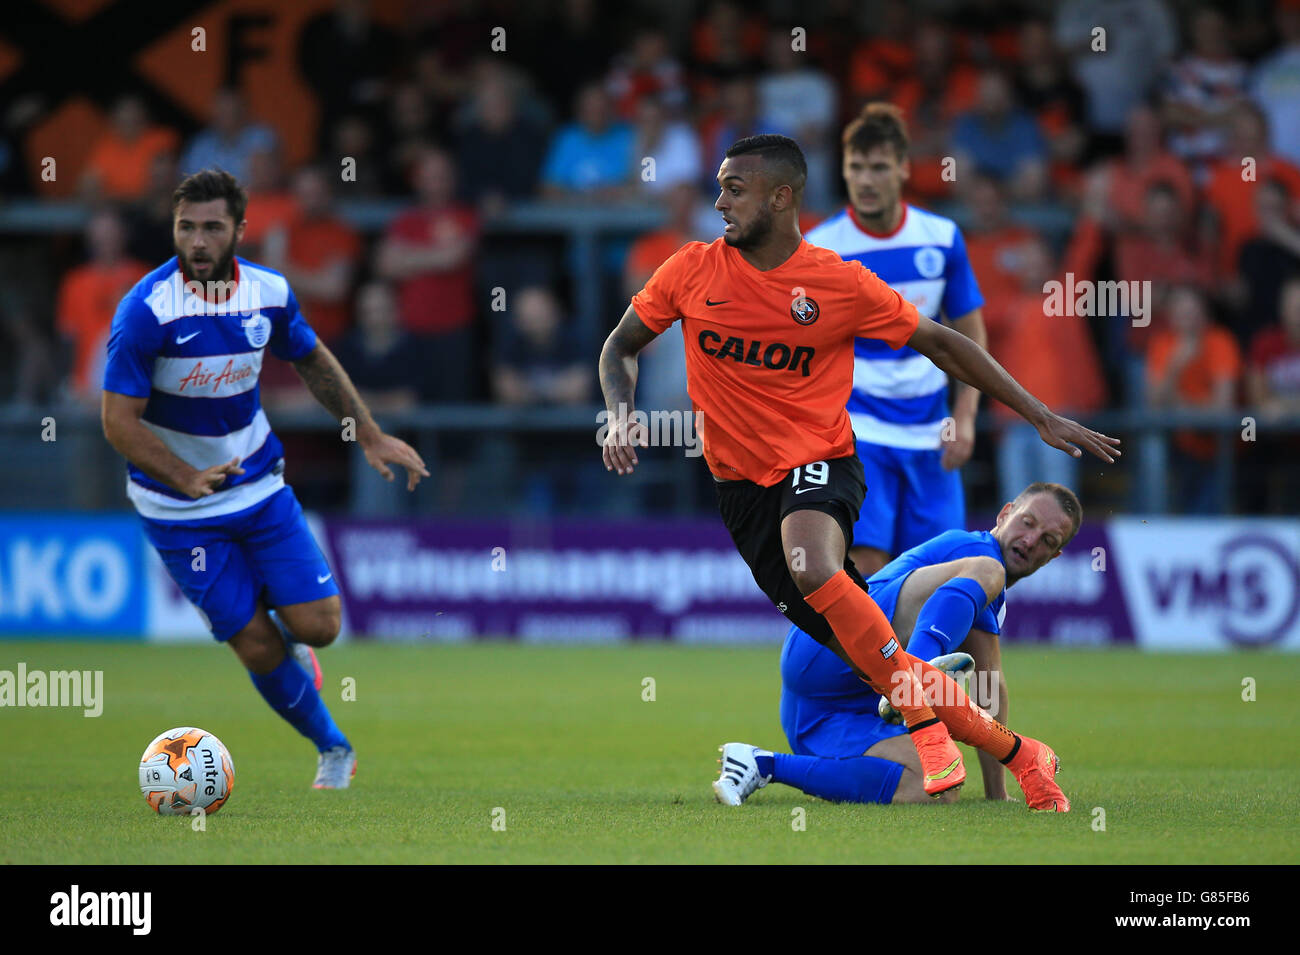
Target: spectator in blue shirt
{"points": [[592, 157], [1001, 140], [230, 140]]}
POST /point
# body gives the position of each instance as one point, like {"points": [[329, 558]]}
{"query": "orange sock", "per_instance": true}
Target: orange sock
{"points": [[966, 722], [866, 636]]}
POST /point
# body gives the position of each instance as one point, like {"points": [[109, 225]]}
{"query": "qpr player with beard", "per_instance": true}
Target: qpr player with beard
{"points": [[205, 471], [769, 323]]}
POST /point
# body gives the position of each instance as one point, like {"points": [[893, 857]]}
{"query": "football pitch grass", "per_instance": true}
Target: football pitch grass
{"points": [[560, 746]]}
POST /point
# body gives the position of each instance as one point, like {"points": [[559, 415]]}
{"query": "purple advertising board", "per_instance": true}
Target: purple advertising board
{"points": [[556, 581], [596, 582]]}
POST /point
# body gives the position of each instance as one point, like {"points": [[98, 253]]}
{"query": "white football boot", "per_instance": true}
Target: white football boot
{"points": [[336, 767], [739, 776]]}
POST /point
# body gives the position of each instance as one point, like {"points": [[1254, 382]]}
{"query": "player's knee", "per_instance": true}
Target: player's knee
{"points": [[259, 648], [988, 572], [812, 574], [320, 629]]}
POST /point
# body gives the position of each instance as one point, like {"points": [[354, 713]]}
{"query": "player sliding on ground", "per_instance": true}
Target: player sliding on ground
{"points": [[205, 470], [769, 323], [942, 596]]}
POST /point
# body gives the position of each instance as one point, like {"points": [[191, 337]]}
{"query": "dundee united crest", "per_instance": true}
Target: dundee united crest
{"points": [[804, 310]]}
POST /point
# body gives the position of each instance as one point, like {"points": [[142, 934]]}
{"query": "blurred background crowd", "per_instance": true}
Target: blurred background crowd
{"points": [[464, 223]]}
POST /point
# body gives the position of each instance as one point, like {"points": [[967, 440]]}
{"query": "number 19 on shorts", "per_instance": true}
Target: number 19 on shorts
{"points": [[809, 476]]}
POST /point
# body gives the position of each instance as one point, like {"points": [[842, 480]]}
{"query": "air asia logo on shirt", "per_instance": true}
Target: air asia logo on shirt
{"points": [[257, 330], [200, 377], [776, 356], [804, 310]]}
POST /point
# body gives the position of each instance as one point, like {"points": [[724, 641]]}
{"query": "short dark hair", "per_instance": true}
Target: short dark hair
{"points": [[879, 124], [775, 150], [208, 184], [1067, 499]]}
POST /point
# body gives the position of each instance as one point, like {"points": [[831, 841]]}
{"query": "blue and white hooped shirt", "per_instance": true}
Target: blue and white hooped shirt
{"points": [[198, 363], [900, 398]]}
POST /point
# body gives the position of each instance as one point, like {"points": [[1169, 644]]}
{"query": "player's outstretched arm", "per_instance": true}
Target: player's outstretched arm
{"points": [[120, 416], [618, 370], [963, 359], [332, 387]]}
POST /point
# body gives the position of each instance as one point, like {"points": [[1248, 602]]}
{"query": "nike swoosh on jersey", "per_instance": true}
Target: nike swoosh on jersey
{"points": [[722, 302], [321, 580], [182, 339]]}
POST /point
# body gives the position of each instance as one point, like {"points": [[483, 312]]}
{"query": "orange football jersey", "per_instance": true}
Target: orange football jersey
{"points": [[769, 355]]}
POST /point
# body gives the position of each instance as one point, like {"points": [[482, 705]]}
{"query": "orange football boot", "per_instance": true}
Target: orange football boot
{"points": [[941, 765], [1035, 768]]}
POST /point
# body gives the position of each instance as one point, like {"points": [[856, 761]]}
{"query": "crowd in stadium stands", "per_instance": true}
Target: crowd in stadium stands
{"points": [[1175, 153]]}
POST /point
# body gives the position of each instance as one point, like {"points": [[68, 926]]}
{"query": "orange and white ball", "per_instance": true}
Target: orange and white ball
{"points": [[185, 770]]}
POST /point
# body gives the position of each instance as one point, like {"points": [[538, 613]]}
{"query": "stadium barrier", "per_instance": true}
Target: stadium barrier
{"points": [[1158, 583], [80, 471]]}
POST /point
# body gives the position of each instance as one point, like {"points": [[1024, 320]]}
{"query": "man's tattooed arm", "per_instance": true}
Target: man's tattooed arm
{"points": [[332, 387]]}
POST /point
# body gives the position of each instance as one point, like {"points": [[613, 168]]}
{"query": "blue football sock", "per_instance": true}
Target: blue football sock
{"points": [[289, 691], [946, 618], [856, 779], [764, 761]]}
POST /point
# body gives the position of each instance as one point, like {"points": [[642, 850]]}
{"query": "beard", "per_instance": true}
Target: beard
{"points": [[222, 264], [755, 235]]}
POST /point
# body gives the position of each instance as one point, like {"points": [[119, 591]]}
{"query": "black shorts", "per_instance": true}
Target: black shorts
{"points": [[753, 515]]}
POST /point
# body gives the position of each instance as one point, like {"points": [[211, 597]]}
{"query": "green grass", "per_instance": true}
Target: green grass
{"points": [[586, 771]]}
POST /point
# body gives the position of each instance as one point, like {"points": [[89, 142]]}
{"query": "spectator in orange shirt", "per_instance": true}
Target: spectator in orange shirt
{"points": [[1230, 193], [317, 252], [881, 61], [994, 245], [1052, 356], [270, 204], [119, 161], [1124, 181], [1193, 364], [88, 297]]}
